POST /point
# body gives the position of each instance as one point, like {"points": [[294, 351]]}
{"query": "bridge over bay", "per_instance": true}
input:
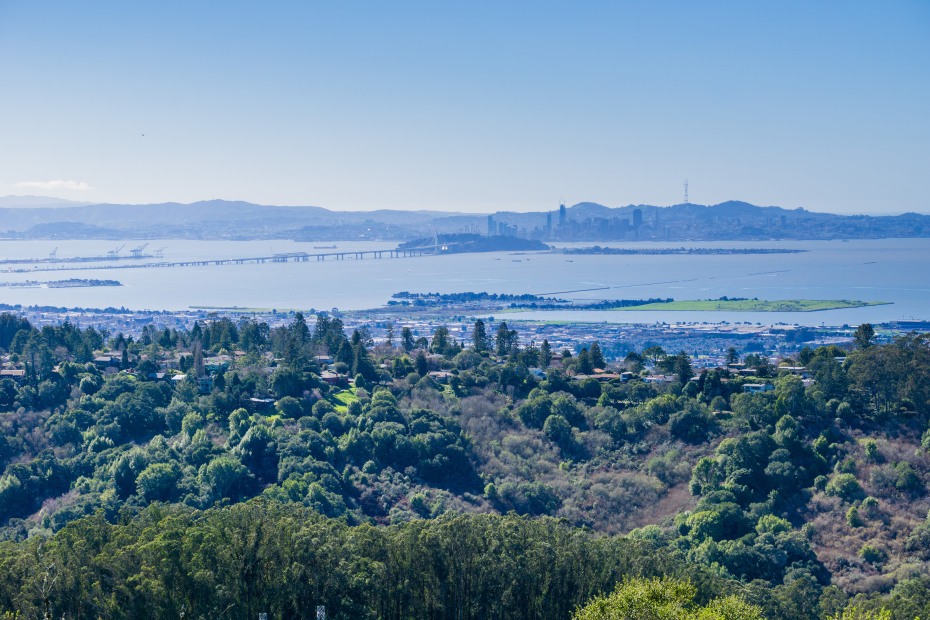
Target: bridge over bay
{"points": [[41, 265]]}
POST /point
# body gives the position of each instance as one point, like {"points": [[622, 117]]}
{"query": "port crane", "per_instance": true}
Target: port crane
{"points": [[137, 252], [160, 252], [53, 254], [115, 253]]}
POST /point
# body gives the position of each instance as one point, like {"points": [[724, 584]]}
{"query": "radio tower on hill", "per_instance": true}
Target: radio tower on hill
{"points": [[686, 192]]}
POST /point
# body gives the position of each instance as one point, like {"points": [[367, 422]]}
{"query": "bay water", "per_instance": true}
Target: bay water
{"points": [[886, 270]]}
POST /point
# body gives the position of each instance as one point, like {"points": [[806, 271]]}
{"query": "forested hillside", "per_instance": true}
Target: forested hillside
{"points": [[235, 469]]}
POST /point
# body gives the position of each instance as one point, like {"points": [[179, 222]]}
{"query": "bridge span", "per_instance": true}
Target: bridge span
{"points": [[286, 257]]}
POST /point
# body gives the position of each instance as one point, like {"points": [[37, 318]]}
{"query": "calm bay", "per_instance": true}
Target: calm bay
{"points": [[886, 270]]}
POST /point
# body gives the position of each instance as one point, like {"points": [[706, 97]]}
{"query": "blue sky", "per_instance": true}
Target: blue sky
{"points": [[472, 106]]}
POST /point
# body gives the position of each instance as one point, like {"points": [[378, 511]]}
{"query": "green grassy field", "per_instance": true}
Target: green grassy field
{"points": [[755, 305], [345, 398]]}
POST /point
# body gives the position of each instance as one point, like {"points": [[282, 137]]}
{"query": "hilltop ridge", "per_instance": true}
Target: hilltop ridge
{"points": [[32, 217]]}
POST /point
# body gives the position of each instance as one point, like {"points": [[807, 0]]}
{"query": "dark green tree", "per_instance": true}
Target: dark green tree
{"points": [[421, 365], [361, 363], [506, 339], [440, 343], [732, 356], [863, 336], [654, 354], [545, 354], [584, 366], [406, 339], [479, 337], [682, 368], [597, 357]]}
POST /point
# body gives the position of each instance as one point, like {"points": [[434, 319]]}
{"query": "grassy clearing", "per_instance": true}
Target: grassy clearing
{"points": [[344, 399], [755, 305], [449, 393]]}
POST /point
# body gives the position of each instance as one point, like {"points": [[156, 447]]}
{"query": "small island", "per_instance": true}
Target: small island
{"points": [[523, 302], [69, 283], [725, 304], [682, 251], [467, 242], [435, 299]]}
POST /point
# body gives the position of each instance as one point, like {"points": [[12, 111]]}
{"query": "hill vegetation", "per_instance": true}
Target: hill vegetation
{"points": [[235, 468]]}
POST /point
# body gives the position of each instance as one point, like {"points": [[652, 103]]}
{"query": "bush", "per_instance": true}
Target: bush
{"points": [[558, 430], [872, 555], [289, 407], [907, 479], [669, 467], [870, 506], [90, 384], [771, 524], [418, 504], [321, 408], [845, 487], [693, 424], [846, 466], [158, 482], [528, 498], [852, 517], [918, 542]]}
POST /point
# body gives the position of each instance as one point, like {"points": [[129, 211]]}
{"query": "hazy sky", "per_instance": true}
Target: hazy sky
{"points": [[472, 106]]}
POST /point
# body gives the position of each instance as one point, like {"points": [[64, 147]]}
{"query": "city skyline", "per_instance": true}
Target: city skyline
{"points": [[474, 108]]}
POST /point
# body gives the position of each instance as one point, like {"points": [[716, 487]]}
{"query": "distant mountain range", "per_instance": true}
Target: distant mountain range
{"points": [[37, 217], [37, 201]]}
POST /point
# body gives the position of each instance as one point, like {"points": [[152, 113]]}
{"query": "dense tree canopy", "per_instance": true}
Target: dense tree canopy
{"points": [[147, 470]]}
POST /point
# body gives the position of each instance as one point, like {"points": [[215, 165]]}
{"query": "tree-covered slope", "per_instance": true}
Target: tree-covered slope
{"points": [[807, 493]]}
